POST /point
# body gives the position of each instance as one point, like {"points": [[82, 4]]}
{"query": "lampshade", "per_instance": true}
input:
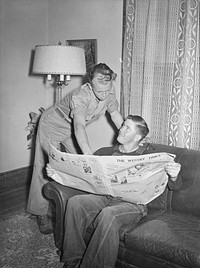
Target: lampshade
{"points": [[59, 59]]}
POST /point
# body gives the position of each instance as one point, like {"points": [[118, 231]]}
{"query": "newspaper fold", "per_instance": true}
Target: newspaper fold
{"points": [[136, 179]]}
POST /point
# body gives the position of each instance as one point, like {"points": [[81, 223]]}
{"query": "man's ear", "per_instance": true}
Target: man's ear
{"points": [[137, 137]]}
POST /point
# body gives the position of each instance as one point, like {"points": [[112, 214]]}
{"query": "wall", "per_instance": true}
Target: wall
{"points": [[26, 23], [102, 21], [22, 22]]}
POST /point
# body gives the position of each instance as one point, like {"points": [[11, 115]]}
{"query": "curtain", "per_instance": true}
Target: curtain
{"points": [[160, 68]]}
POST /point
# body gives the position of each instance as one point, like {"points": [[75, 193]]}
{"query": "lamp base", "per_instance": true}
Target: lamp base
{"points": [[58, 93]]}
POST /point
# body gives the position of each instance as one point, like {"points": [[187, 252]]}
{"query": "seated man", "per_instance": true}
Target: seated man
{"points": [[106, 213]]}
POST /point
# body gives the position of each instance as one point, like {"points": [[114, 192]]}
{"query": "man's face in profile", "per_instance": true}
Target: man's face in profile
{"points": [[128, 132]]}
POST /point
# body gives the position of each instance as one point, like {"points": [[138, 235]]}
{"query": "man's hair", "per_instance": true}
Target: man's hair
{"points": [[103, 69], [140, 124]]}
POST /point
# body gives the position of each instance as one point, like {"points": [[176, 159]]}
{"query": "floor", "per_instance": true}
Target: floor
{"points": [[22, 245]]}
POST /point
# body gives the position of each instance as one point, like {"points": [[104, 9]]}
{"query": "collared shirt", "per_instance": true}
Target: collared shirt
{"points": [[82, 101]]}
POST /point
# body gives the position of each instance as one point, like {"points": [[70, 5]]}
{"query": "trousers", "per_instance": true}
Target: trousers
{"points": [[106, 214], [52, 128]]}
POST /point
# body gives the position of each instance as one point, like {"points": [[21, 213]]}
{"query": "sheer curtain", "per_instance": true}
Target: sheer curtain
{"points": [[160, 68]]}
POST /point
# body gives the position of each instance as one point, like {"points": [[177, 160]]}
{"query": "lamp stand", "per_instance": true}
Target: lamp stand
{"points": [[62, 81], [59, 91]]}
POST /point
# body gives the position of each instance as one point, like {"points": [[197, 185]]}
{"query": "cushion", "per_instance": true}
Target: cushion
{"points": [[172, 236]]}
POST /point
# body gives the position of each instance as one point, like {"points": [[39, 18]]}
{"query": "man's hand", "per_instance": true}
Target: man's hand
{"points": [[50, 171], [88, 153], [172, 169]]}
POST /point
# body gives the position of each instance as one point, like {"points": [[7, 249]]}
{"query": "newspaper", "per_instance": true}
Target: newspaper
{"points": [[137, 179]]}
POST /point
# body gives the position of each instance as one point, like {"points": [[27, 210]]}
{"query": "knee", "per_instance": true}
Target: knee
{"points": [[106, 216], [73, 201], [77, 203]]}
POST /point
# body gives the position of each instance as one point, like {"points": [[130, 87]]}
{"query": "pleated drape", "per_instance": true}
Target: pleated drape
{"points": [[160, 68]]}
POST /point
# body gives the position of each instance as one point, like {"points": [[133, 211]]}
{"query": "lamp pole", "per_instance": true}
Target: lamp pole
{"points": [[59, 91]]}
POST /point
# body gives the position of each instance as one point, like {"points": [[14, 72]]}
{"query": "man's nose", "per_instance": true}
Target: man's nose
{"points": [[103, 94], [122, 128]]}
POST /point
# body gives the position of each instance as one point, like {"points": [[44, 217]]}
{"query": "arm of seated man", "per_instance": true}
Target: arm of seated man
{"points": [[175, 179]]}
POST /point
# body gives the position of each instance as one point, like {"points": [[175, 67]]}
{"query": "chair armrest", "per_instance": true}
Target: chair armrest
{"points": [[60, 195]]}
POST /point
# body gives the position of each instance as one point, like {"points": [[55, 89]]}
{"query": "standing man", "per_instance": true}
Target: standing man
{"points": [[65, 123]]}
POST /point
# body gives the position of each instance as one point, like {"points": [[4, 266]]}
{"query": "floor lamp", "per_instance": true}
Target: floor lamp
{"points": [[60, 61]]}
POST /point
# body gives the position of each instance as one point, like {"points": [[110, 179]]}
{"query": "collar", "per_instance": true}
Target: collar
{"points": [[142, 148]]}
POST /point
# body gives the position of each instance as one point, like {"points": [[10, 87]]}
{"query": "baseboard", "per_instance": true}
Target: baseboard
{"points": [[14, 188]]}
